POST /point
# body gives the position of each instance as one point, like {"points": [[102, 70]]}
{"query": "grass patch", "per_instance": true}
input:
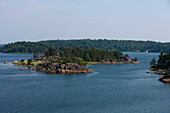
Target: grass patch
{"points": [[153, 69], [36, 63], [93, 63], [157, 69], [25, 63]]}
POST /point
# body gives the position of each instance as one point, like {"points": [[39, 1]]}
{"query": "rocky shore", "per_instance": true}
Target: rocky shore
{"points": [[165, 73], [50, 66], [70, 61], [165, 79], [59, 68], [162, 66], [56, 68]]}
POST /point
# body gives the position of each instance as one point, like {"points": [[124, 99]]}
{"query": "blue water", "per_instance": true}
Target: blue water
{"points": [[119, 88]]}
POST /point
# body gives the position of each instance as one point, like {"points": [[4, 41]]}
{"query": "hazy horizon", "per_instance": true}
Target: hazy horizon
{"points": [[37, 20], [78, 39]]}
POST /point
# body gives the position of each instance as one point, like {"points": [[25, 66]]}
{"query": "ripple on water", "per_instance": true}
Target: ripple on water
{"points": [[110, 89]]}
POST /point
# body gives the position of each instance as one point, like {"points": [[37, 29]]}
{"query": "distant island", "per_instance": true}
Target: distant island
{"points": [[119, 45], [162, 67], [73, 60]]}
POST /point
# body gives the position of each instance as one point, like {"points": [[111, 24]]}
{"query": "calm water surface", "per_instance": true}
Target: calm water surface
{"points": [[124, 88]]}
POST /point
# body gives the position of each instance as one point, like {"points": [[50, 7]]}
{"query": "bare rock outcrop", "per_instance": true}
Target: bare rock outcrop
{"points": [[56, 68]]}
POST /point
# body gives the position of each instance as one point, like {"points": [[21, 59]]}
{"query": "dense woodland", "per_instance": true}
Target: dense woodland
{"points": [[120, 45], [163, 62], [80, 55]]}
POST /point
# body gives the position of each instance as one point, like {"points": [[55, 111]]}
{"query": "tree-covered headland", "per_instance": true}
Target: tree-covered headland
{"points": [[162, 63], [162, 66]]}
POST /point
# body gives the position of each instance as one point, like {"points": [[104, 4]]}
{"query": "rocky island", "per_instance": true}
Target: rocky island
{"points": [[162, 67], [56, 68], [73, 60]]}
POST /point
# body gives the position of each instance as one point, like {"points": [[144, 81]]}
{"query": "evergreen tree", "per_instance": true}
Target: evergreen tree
{"points": [[29, 62], [36, 55], [126, 55], [135, 59], [120, 45], [153, 62], [87, 57], [22, 60]]}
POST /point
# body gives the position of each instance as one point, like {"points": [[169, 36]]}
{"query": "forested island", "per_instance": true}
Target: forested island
{"points": [[119, 45], [73, 60], [162, 67]]}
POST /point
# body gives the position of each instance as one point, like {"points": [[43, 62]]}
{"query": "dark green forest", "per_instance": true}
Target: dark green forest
{"points": [[88, 55], [120, 45], [163, 62], [81, 56]]}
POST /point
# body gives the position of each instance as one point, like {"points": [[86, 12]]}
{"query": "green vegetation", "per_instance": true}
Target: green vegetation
{"points": [[22, 60], [126, 55], [29, 62], [153, 62], [120, 45], [73, 60], [51, 52], [35, 63], [157, 69], [79, 56], [163, 62], [162, 67], [82, 56], [25, 63], [36, 55], [135, 59]]}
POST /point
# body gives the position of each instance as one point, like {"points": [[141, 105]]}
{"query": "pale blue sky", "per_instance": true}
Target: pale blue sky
{"points": [[35, 20]]}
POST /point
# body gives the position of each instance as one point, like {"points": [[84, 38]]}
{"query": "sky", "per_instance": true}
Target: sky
{"points": [[35, 20]]}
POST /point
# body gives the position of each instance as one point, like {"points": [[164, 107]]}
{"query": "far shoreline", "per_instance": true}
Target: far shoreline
{"points": [[42, 53]]}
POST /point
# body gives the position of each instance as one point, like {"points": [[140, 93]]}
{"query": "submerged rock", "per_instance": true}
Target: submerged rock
{"points": [[23, 69]]}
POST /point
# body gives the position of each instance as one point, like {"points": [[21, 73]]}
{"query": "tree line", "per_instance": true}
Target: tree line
{"points": [[120, 45], [81, 56], [163, 61]]}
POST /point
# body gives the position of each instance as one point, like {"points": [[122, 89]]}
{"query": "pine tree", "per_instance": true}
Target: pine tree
{"points": [[153, 62], [87, 57]]}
